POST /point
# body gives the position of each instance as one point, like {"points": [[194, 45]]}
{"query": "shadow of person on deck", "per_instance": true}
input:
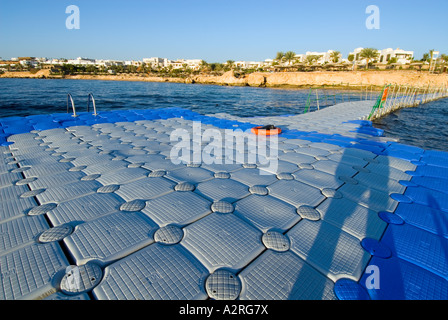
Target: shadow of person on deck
{"points": [[333, 245]]}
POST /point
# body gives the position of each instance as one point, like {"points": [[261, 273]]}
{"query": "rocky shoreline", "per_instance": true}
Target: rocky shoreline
{"points": [[307, 79], [273, 80]]}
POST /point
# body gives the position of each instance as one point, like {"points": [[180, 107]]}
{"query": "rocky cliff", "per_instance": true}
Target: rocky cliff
{"points": [[304, 79], [276, 79]]}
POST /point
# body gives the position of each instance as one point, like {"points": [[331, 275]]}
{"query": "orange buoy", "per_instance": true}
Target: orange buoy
{"points": [[268, 130], [385, 93]]}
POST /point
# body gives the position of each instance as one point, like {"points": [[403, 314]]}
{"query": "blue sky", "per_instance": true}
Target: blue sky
{"points": [[216, 31]]}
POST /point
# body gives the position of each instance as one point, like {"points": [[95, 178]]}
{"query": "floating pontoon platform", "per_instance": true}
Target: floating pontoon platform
{"points": [[94, 207]]}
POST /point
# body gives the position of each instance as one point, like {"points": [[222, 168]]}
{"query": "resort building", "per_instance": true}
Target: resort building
{"points": [[324, 57], [300, 57], [82, 61], [108, 63], [251, 64], [155, 62], [133, 63], [193, 64], [385, 55], [402, 56]]}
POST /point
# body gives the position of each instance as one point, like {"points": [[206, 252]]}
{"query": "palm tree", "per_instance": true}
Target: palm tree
{"points": [[311, 59], [335, 56], [203, 65], [431, 54], [444, 58], [290, 56], [369, 54], [230, 64], [279, 57]]}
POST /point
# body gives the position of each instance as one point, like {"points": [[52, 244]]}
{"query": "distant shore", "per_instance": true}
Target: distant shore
{"points": [[273, 80]]}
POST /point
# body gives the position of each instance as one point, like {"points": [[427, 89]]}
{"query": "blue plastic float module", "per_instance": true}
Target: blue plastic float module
{"points": [[411, 258], [16, 125], [412, 255]]}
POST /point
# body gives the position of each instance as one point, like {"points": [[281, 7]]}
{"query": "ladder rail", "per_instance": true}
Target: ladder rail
{"points": [[91, 98], [70, 100]]}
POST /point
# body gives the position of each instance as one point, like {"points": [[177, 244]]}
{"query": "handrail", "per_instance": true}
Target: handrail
{"points": [[325, 96], [406, 96], [69, 97], [91, 98]]}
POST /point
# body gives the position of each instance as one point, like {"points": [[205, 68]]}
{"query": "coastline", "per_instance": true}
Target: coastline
{"points": [[271, 80]]}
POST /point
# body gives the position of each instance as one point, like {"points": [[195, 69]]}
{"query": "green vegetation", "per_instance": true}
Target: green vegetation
{"points": [[392, 60], [444, 58], [335, 56], [280, 56], [290, 56], [284, 61], [311, 59], [369, 54]]}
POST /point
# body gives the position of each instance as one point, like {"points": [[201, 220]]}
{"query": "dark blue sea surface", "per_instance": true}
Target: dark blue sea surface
{"points": [[23, 97], [425, 126]]}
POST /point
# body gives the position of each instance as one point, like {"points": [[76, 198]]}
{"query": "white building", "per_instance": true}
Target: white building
{"points": [[384, 56], [81, 61], [55, 61], [29, 62], [133, 63], [324, 57], [155, 62], [108, 63], [194, 64], [300, 57], [403, 57], [178, 64], [251, 64]]}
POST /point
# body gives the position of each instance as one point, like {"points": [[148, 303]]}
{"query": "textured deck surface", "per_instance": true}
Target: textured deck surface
{"points": [[98, 208]]}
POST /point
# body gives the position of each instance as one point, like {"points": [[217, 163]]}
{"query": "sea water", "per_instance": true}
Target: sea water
{"points": [[22, 97], [425, 126]]}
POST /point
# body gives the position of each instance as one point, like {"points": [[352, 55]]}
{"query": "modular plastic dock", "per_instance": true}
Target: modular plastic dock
{"points": [[95, 207]]}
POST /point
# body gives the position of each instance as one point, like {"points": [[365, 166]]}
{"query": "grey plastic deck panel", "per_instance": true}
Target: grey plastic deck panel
{"points": [[84, 208], [267, 212], [222, 189], [157, 272], [145, 188], [296, 193], [179, 208], [353, 218], [31, 272], [284, 276], [110, 237], [223, 241], [333, 252], [109, 199], [21, 231]]}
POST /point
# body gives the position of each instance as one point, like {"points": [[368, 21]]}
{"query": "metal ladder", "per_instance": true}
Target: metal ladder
{"points": [[433, 63], [90, 98]]}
